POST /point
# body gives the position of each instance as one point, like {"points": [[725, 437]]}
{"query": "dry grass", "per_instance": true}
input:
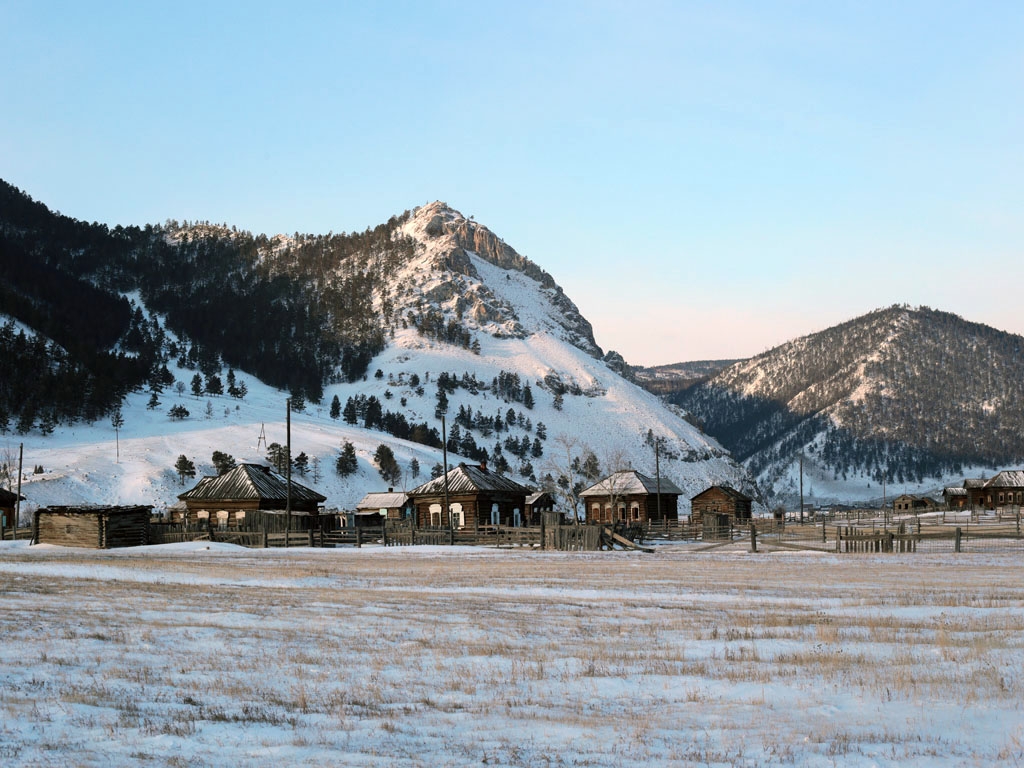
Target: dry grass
{"points": [[404, 657]]}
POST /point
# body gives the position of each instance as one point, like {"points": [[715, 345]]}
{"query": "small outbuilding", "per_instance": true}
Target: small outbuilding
{"points": [[93, 527], [631, 496], [537, 505], [955, 497], [722, 502], [908, 503]]}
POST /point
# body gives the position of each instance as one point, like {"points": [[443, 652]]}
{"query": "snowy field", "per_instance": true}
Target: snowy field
{"points": [[208, 654]]}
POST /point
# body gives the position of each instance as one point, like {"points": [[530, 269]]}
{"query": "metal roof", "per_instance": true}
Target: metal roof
{"points": [[954, 491], [383, 500], [629, 482], [470, 478], [7, 498], [249, 481], [1008, 478]]}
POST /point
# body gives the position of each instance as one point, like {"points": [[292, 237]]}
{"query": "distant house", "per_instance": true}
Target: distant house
{"points": [[1004, 489], [390, 506], [537, 504], [8, 506], [225, 500], [93, 527], [975, 487], [910, 504], [955, 497], [476, 496], [631, 496], [724, 504]]}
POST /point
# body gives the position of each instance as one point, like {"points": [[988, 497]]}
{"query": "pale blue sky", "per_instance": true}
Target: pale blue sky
{"points": [[703, 179]]}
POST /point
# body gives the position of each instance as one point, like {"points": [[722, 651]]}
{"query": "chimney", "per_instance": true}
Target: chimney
{"points": [[483, 464], [391, 490]]}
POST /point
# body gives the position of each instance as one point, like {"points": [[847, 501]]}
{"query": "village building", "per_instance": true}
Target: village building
{"points": [[1005, 489], [909, 504], [630, 496], [476, 497], [375, 508], [8, 508], [955, 497], [247, 492], [975, 487], [720, 506], [537, 505], [93, 527]]}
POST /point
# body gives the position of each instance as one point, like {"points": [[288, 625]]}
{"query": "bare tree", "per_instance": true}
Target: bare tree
{"points": [[563, 462]]}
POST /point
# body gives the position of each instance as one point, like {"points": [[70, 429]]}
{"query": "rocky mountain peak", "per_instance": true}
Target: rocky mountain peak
{"points": [[473, 276]]}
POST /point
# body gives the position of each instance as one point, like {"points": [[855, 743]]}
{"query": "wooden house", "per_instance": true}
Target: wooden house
{"points": [[955, 497], [381, 506], [538, 504], [975, 487], [909, 504], [476, 497], [8, 508], [722, 502], [631, 496], [1004, 489], [93, 527], [228, 500]]}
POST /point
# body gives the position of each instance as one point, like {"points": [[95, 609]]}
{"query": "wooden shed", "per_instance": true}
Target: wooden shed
{"points": [[631, 496], [476, 496], [537, 504], [93, 527], [721, 501], [225, 501]]}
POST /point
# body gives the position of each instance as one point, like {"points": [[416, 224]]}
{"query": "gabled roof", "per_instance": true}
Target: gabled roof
{"points": [[728, 490], [974, 482], [249, 481], [7, 498], [954, 491], [383, 500], [470, 478], [533, 498], [629, 482], [1008, 478]]}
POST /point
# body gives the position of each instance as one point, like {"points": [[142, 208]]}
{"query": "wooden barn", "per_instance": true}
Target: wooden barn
{"points": [[722, 502], [631, 496], [955, 497], [374, 508], [476, 497], [93, 527], [8, 508], [232, 499]]}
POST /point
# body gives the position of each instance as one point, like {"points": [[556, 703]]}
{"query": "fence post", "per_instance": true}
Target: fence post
{"points": [[824, 537], [956, 540], [753, 538], [359, 537], [321, 535], [310, 537], [384, 533]]}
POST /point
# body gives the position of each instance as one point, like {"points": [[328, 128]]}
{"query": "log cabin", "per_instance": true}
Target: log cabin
{"points": [[8, 507], [721, 501], [476, 497], [224, 500], [93, 527], [631, 496]]}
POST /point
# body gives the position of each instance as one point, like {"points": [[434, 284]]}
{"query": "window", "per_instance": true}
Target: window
{"points": [[495, 515], [607, 513], [636, 511], [435, 515], [622, 511], [595, 512]]}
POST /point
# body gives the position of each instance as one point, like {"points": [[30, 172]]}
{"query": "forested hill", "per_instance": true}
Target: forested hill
{"points": [[299, 311], [902, 393]]}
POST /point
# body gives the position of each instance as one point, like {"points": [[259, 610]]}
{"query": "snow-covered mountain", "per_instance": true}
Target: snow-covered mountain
{"points": [[916, 397], [459, 312]]}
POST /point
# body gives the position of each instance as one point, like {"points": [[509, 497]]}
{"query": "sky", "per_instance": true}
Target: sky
{"points": [[705, 180]]}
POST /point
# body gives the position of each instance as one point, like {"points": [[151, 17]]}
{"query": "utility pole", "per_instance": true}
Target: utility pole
{"points": [[444, 453], [657, 472], [288, 459], [17, 498], [801, 488]]}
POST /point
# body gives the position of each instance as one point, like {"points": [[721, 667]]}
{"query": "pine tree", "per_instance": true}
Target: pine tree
{"points": [[184, 467], [197, 385], [387, 465], [335, 408], [153, 403], [301, 464], [414, 468], [278, 457], [528, 397], [347, 462], [223, 462], [350, 413], [178, 412]]}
